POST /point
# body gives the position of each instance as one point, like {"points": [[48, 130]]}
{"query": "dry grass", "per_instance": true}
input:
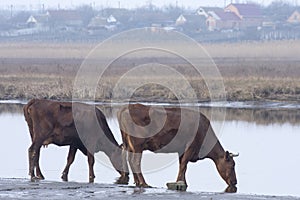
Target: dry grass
{"points": [[251, 71]]}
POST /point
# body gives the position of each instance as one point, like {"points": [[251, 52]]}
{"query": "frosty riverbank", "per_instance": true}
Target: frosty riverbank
{"points": [[24, 189]]}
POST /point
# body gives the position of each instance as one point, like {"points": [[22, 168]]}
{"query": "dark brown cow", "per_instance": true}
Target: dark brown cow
{"points": [[167, 139], [53, 122]]}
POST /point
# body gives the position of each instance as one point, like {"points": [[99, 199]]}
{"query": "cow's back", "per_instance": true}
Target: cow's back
{"points": [[172, 135], [50, 121]]}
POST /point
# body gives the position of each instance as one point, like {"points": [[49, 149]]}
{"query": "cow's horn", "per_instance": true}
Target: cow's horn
{"points": [[234, 155]]}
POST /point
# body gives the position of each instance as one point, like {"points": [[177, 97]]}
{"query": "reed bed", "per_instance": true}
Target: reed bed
{"points": [[250, 71]]}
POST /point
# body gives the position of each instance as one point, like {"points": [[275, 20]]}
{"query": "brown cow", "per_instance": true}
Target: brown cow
{"points": [[137, 121], [53, 122]]}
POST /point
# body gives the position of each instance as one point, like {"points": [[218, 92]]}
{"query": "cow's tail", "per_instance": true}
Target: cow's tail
{"points": [[120, 115], [26, 110]]}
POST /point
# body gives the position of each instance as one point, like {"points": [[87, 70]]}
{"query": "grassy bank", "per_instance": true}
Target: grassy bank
{"points": [[250, 71]]}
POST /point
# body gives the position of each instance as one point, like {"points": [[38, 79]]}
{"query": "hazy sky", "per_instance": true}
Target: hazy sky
{"points": [[35, 4]]}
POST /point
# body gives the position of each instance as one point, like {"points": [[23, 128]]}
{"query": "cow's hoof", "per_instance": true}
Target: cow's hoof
{"points": [[122, 180], [91, 179], [144, 185], [64, 177], [41, 177], [180, 185], [231, 189], [34, 179]]}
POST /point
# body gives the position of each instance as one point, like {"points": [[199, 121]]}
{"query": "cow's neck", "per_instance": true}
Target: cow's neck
{"points": [[216, 153]]}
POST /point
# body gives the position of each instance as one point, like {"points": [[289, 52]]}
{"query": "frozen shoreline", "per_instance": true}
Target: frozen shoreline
{"points": [[225, 104], [17, 188]]}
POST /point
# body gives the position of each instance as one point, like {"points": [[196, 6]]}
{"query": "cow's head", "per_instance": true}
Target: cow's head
{"points": [[226, 168]]}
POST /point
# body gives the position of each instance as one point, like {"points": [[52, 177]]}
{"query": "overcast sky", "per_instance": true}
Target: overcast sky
{"points": [[35, 4]]}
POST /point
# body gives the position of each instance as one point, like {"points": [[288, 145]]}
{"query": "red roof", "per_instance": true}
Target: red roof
{"points": [[248, 10], [227, 16]]}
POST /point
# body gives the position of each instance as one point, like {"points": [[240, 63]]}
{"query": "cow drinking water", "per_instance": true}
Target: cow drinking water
{"points": [[183, 131], [52, 122]]}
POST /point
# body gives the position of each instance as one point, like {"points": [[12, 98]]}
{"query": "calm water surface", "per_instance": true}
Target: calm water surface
{"points": [[267, 140]]}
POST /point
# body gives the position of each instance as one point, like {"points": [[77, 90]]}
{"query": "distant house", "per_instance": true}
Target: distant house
{"points": [[222, 20], [38, 20], [111, 19], [31, 21], [121, 15], [204, 11], [180, 20], [191, 22], [103, 23], [294, 18], [97, 22], [250, 14]]}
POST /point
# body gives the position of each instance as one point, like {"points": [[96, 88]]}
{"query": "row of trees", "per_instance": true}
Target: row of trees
{"points": [[277, 10]]}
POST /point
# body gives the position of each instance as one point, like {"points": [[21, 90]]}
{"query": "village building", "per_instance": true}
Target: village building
{"points": [[294, 18], [191, 23], [222, 20], [249, 14], [40, 20], [99, 22], [204, 11]]}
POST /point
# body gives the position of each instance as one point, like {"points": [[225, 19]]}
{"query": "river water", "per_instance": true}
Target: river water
{"points": [[267, 139]]}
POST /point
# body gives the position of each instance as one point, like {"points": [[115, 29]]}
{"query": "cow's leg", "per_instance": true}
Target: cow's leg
{"points": [[180, 184], [91, 161], [124, 179], [70, 160], [135, 177], [183, 161], [135, 164], [33, 158], [119, 161], [38, 169], [30, 160]]}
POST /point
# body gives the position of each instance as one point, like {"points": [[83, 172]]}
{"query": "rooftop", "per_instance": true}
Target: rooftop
{"points": [[248, 10]]}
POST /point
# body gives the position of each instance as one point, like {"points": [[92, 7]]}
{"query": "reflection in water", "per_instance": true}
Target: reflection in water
{"points": [[257, 115], [11, 108], [267, 140], [264, 116]]}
